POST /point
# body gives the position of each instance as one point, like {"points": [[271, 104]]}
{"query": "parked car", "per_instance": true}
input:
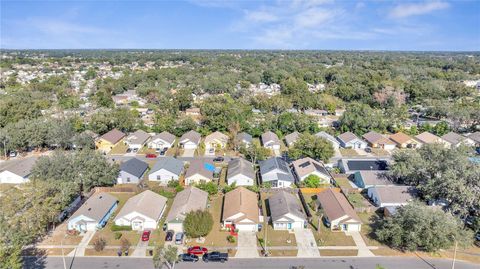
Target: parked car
{"points": [[169, 235], [211, 151], [164, 227], [13, 154], [151, 156], [178, 238], [218, 159], [215, 257], [197, 250], [146, 235], [188, 257], [477, 236], [368, 150]]}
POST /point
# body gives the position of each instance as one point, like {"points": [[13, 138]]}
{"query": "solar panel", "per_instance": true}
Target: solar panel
{"points": [[305, 164]]}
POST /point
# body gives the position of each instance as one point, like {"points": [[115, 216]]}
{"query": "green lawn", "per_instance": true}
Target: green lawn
{"points": [[368, 228], [356, 199], [348, 152], [343, 182], [380, 152], [121, 148]]}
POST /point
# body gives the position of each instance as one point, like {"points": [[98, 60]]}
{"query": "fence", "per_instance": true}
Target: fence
{"points": [[133, 188], [316, 190]]}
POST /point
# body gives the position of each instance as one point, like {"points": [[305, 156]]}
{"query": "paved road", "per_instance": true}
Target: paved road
{"points": [[263, 263]]}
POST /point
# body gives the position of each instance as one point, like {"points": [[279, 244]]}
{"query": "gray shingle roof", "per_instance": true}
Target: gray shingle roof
{"points": [[292, 138], [453, 138], [327, 136], [475, 137], [146, 203], [277, 163], [283, 203], [134, 167], [270, 136], [168, 163], [96, 206], [395, 194], [165, 136], [192, 136], [347, 137], [240, 166], [188, 200], [21, 168], [198, 166], [138, 137], [244, 137]]}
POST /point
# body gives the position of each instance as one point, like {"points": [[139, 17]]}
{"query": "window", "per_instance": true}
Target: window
{"points": [[128, 179], [158, 177]]}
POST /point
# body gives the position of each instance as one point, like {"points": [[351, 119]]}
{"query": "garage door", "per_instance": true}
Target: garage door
{"points": [[353, 227], [177, 227], [246, 227]]}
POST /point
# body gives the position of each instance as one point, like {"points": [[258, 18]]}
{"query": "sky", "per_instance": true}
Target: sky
{"points": [[420, 25]]}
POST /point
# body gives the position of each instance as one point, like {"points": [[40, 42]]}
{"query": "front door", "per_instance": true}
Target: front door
{"points": [[289, 226], [137, 225]]}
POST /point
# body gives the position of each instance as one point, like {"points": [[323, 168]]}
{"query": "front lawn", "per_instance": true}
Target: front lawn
{"points": [[119, 149], [380, 152], [326, 237], [59, 234], [368, 223], [341, 252], [356, 199], [343, 182], [348, 152]]}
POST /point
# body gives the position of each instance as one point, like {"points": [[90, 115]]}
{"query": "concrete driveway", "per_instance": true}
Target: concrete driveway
{"points": [[363, 250], [247, 245], [307, 247], [188, 153], [80, 249], [140, 249]]}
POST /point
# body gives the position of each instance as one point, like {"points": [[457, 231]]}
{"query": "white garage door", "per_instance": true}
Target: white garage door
{"points": [[177, 227], [353, 227], [246, 227]]}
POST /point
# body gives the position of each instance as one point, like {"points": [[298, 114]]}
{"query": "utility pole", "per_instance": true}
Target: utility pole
{"points": [[63, 254], [454, 253]]}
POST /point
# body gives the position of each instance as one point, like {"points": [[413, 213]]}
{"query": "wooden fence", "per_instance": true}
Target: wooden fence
{"points": [[132, 188], [316, 190]]}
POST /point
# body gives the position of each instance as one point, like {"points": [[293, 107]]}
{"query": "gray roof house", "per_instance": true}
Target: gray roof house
{"points": [[166, 169], [188, 200], [350, 140], [240, 172], [190, 140], [17, 171], [162, 140], [94, 213], [137, 139], [475, 137], [457, 140], [330, 138], [270, 140], [384, 196], [132, 171], [244, 138], [277, 172], [292, 138], [286, 212], [199, 170]]}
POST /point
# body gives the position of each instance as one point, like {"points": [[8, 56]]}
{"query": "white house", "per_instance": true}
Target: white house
{"points": [[165, 170], [17, 171], [199, 170], [213, 141], [190, 140], [132, 171], [329, 138], [270, 141], [94, 213], [188, 200], [240, 210], [240, 172], [286, 212], [307, 166], [161, 141], [142, 211], [350, 140], [137, 140], [276, 172], [337, 211], [383, 196]]}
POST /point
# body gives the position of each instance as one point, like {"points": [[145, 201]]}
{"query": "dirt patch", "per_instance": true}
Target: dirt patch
{"points": [[339, 252]]}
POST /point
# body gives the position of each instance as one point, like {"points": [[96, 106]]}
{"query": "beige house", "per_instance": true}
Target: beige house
{"points": [[199, 170], [405, 141], [240, 210], [376, 140], [214, 141], [337, 211], [429, 138]]}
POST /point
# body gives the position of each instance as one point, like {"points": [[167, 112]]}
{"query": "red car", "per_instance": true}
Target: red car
{"points": [[150, 155], [146, 235], [197, 250]]}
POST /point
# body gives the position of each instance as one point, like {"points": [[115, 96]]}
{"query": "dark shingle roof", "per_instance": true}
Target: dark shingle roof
{"points": [[283, 203], [240, 166], [168, 163], [134, 167], [113, 136]]}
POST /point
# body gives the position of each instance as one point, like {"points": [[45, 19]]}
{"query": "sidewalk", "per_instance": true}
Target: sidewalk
{"points": [[363, 250], [80, 249]]}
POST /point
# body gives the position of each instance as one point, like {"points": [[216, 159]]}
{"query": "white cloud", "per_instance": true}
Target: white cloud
{"points": [[407, 10], [260, 16], [314, 17]]}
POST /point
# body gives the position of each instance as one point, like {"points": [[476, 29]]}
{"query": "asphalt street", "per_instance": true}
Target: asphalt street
{"points": [[260, 263]]}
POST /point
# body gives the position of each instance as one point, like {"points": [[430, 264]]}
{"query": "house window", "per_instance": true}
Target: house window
{"points": [[158, 177], [128, 179]]}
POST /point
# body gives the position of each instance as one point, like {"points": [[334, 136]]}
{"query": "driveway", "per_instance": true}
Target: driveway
{"points": [[80, 249], [247, 245], [363, 250], [188, 153], [140, 249], [307, 247]]}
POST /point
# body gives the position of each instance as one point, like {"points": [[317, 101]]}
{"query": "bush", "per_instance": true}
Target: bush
{"points": [[118, 235], [125, 244], [209, 187], [99, 243], [198, 223], [116, 228], [231, 239], [230, 187], [167, 194], [254, 188], [173, 183]]}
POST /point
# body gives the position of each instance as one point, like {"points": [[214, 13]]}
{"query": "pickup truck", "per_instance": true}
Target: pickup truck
{"points": [[215, 257]]}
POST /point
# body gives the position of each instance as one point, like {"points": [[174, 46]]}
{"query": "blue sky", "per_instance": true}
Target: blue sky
{"points": [[216, 24]]}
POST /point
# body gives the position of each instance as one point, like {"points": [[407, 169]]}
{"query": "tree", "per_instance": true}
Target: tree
{"points": [[312, 146], [312, 181], [210, 187], [361, 118], [99, 243], [255, 152], [165, 255], [416, 226], [198, 223]]}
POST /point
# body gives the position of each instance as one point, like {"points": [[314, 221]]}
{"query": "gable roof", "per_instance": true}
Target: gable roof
{"points": [[168, 163], [375, 138], [244, 137], [134, 167], [283, 203], [373, 177], [327, 137], [270, 136], [292, 138], [113, 136], [308, 165], [241, 200], [347, 137], [216, 136], [454, 138], [191, 136], [165, 136], [22, 168], [395, 194], [335, 205], [428, 138], [400, 138], [190, 199], [240, 166], [198, 166], [146, 203], [475, 137], [138, 137], [96, 207], [278, 164]]}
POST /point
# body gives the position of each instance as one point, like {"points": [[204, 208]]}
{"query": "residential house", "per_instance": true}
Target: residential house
{"points": [[338, 214], [193, 111], [186, 201], [214, 141], [94, 213], [276, 172], [457, 140], [132, 171], [161, 141], [405, 141], [142, 211], [349, 166], [307, 166], [429, 138], [137, 140], [329, 138], [383, 196], [290, 139], [17, 171], [350, 140], [240, 172], [367, 179], [165, 170], [108, 141], [199, 170], [244, 139], [190, 140], [376, 140], [240, 210], [286, 211], [475, 137], [270, 141]]}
